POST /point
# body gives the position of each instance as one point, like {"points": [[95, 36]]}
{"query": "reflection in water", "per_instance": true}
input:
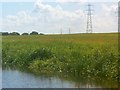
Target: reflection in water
{"points": [[17, 79], [0, 78]]}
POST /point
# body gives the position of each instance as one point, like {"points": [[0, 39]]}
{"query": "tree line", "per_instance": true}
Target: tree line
{"points": [[16, 33]]}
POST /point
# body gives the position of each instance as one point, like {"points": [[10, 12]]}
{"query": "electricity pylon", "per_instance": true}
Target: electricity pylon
{"points": [[89, 19]]}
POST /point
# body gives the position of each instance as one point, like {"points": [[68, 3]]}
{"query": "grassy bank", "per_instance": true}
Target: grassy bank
{"points": [[88, 55]]}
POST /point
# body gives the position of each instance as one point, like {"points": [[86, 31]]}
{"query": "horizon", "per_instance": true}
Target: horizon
{"points": [[61, 34]]}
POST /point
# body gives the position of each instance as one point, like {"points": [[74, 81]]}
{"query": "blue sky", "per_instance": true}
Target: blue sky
{"points": [[56, 0], [11, 8], [50, 17]]}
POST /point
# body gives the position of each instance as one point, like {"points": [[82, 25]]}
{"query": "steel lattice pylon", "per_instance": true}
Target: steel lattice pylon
{"points": [[89, 19]]}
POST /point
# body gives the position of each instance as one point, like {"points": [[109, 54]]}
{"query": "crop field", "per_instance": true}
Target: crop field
{"points": [[88, 55]]}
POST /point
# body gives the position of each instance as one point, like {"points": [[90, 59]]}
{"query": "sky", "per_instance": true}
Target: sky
{"points": [[52, 16]]}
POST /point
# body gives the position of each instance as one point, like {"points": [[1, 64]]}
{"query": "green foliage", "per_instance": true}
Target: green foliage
{"points": [[25, 34], [34, 33], [42, 54], [14, 33], [88, 55]]}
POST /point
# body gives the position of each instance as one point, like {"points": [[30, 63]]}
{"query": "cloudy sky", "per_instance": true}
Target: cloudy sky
{"points": [[52, 16]]}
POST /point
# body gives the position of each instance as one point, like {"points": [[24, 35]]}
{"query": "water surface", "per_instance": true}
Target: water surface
{"points": [[18, 79]]}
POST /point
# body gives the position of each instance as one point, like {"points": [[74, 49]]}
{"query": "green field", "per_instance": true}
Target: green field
{"points": [[88, 55]]}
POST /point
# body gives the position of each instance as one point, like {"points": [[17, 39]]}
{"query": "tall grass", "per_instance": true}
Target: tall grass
{"points": [[88, 55]]}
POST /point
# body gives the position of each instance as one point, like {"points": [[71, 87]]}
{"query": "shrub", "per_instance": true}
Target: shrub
{"points": [[42, 53], [34, 33], [14, 33], [25, 34], [5, 33]]}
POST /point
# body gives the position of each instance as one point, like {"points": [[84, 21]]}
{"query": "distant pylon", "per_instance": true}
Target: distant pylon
{"points": [[69, 31], [61, 30], [89, 19]]}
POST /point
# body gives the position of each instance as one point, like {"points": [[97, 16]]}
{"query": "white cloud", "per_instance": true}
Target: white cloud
{"points": [[108, 10], [106, 21], [48, 19], [66, 1], [84, 1], [60, 1], [19, 22], [57, 11]]}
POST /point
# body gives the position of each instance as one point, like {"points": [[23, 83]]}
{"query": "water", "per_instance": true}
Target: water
{"points": [[24, 80], [18, 79], [0, 78]]}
